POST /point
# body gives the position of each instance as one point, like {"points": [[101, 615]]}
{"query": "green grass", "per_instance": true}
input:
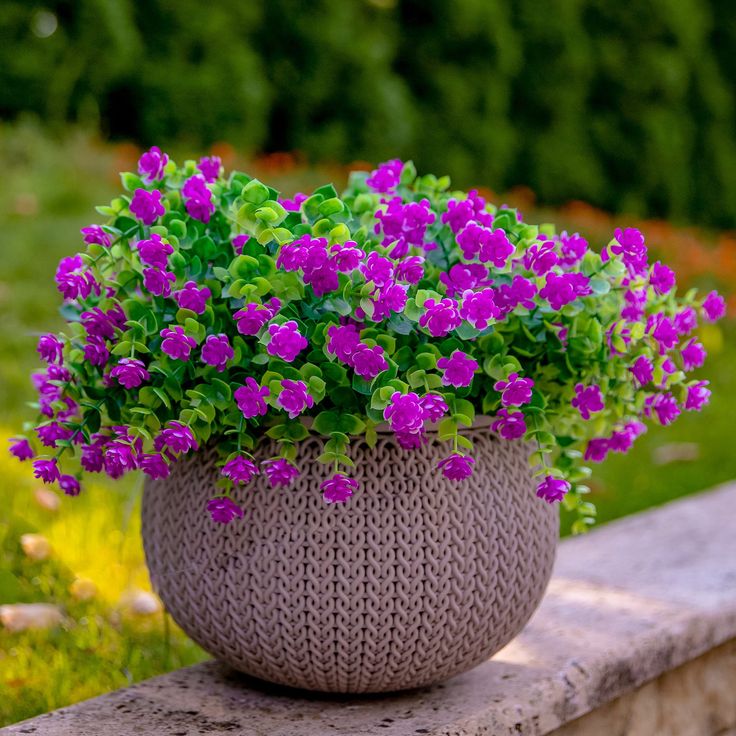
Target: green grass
{"points": [[47, 192]]}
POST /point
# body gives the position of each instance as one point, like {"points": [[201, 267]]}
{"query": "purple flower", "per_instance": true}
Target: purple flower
{"points": [[440, 317], [130, 372], [120, 457], [176, 344], [391, 297], [210, 168], [252, 317], [460, 213], [411, 440], [286, 341], [622, 441], [479, 307], [377, 269], [280, 472], [73, 281], [158, 282], [561, 289], [342, 341], [103, 324], [693, 354], [251, 398], [217, 351], [464, 277], [509, 424], [152, 163], [50, 433], [664, 406], [404, 413], [597, 450], [154, 252], [485, 244], [552, 489], [685, 321], [154, 466], [636, 300], [347, 256], [95, 351], [588, 399], [70, 485], [404, 224], [540, 257], [643, 370], [20, 448], [95, 235], [714, 307], [434, 407], [177, 437], [294, 397], [338, 489], [50, 348], [515, 391], [192, 297], [573, 248], [697, 396], [223, 510], [146, 206], [630, 246], [663, 331], [368, 362], [293, 205], [198, 198], [410, 269], [46, 470], [386, 177], [239, 242], [458, 369], [662, 278], [456, 466], [240, 469], [520, 292], [93, 458]]}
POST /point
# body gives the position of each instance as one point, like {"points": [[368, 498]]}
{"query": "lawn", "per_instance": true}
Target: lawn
{"points": [[111, 634]]}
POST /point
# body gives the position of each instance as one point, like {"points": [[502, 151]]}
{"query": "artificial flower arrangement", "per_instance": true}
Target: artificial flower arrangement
{"points": [[207, 309]]}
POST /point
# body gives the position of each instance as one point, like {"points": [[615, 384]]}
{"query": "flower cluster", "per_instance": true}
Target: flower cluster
{"points": [[207, 309]]}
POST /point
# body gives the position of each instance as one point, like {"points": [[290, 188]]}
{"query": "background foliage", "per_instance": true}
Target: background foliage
{"points": [[629, 106]]}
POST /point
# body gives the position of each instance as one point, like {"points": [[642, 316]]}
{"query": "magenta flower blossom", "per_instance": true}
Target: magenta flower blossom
{"points": [[458, 369], [210, 168], [714, 307], [662, 278], [223, 510], [479, 308], [70, 485], [663, 331], [50, 348], [95, 351], [368, 362], [347, 256], [520, 292], [596, 450], [216, 351], [103, 324], [697, 396], [251, 318], [176, 344], [342, 341], [158, 282], [391, 297], [404, 224], [152, 163], [636, 300], [461, 212], [130, 372], [294, 204], [485, 244], [286, 341], [192, 297], [92, 458], [154, 252], [465, 277], [154, 466], [572, 248], [240, 469], [515, 391], [20, 448], [664, 406], [95, 235], [630, 246], [404, 413], [441, 317], [177, 437], [540, 257], [294, 397], [434, 407], [386, 177], [377, 269], [509, 424], [239, 242], [587, 400], [552, 489], [693, 354], [251, 398], [643, 370], [561, 289], [46, 470], [198, 198], [338, 489], [280, 472], [147, 206], [685, 321], [73, 281], [410, 269], [456, 466], [50, 433]]}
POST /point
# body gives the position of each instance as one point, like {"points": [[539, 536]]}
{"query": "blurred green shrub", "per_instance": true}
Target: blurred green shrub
{"points": [[630, 106]]}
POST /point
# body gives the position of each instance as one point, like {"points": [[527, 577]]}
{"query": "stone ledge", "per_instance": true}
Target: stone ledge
{"points": [[627, 603]]}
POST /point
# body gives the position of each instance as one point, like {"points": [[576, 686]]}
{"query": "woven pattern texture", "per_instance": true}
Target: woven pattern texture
{"points": [[412, 581]]}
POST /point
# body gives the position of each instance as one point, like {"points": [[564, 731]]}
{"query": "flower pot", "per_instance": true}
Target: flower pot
{"points": [[414, 580]]}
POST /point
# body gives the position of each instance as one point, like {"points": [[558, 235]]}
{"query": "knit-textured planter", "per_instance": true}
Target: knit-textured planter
{"points": [[412, 581]]}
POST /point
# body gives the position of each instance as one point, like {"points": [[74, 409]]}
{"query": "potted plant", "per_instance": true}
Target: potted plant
{"points": [[355, 413]]}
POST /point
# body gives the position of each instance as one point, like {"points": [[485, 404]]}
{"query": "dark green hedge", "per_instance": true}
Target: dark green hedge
{"points": [[626, 105]]}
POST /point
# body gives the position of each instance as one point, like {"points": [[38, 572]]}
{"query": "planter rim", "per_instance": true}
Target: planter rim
{"points": [[481, 422]]}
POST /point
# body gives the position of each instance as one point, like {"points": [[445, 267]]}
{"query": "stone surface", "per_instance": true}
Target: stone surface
{"points": [[627, 603]]}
